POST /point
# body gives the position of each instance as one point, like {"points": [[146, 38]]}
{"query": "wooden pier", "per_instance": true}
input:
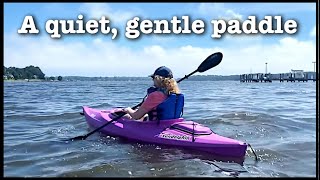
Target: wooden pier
{"points": [[293, 76], [258, 77]]}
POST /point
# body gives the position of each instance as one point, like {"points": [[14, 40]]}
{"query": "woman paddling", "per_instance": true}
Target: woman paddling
{"points": [[164, 100]]}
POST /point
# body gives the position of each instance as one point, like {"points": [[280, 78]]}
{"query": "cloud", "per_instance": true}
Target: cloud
{"points": [[287, 54], [161, 39], [277, 7], [233, 14], [314, 31], [218, 10], [96, 10], [104, 58]]}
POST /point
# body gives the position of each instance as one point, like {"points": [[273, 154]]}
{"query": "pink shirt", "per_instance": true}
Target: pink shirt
{"points": [[153, 100]]}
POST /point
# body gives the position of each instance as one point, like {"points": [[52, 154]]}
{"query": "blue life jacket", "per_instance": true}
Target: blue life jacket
{"points": [[171, 108]]}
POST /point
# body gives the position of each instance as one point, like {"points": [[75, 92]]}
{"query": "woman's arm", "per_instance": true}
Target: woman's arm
{"points": [[136, 114], [152, 100]]}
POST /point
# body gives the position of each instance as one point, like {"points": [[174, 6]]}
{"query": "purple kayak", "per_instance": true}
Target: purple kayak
{"points": [[172, 132]]}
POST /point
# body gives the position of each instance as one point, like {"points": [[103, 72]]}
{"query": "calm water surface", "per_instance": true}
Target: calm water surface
{"points": [[277, 119]]}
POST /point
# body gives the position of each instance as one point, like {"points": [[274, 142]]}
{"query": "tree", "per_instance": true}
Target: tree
{"points": [[59, 78], [52, 78], [29, 72]]}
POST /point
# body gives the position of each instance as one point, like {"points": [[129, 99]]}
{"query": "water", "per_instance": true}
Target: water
{"points": [[277, 119]]}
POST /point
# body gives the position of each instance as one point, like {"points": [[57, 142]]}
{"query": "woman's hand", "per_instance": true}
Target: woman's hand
{"points": [[135, 114], [126, 110]]}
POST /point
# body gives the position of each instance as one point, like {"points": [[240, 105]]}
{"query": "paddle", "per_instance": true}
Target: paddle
{"points": [[210, 62]]}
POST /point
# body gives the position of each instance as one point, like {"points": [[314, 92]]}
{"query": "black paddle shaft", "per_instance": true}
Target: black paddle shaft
{"points": [[210, 62], [186, 76], [116, 118]]}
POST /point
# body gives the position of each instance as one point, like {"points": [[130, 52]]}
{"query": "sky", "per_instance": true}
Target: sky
{"points": [[95, 55]]}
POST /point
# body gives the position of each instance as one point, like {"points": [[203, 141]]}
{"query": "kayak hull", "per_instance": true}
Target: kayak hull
{"points": [[173, 132]]}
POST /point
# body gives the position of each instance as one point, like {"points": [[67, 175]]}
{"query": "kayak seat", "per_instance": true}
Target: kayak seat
{"points": [[171, 108]]}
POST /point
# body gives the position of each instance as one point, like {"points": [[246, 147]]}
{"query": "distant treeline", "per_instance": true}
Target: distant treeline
{"points": [[192, 78], [82, 78], [214, 78], [32, 72]]}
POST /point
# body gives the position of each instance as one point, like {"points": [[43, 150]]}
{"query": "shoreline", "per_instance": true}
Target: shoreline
{"points": [[24, 80]]}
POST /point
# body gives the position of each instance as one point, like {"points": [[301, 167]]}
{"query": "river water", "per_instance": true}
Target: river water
{"points": [[277, 119]]}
